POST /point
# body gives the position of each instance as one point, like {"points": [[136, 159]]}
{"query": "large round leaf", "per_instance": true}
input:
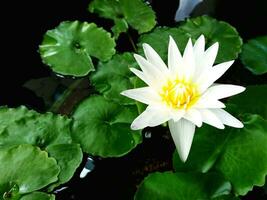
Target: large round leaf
{"points": [[68, 47], [48, 131], [182, 186], [214, 31], [103, 127], [27, 168], [159, 39], [239, 154], [69, 157], [23, 126], [135, 13], [254, 55], [114, 76], [38, 196], [252, 100]]}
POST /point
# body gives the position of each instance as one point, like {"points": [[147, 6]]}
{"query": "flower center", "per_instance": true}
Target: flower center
{"points": [[179, 94]]}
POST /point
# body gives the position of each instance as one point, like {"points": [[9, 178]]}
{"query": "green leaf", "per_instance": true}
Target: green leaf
{"points": [[23, 126], [103, 127], [139, 15], [159, 40], [27, 168], [254, 55], [48, 131], [252, 100], [226, 197], [114, 76], [69, 157], [239, 154], [230, 42], [68, 48], [135, 13], [120, 26], [38, 196], [214, 31], [182, 186]]}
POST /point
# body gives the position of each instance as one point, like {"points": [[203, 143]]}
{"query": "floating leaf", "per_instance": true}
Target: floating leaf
{"points": [[226, 197], [114, 76], [69, 157], [252, 100], [38, 196], [254, 55], [103, 127], [48, 131], [135, 13], [239, 154], [159, 40], [182, 186], [68, 48], [23, 126], [27, 168], [213, 30]]}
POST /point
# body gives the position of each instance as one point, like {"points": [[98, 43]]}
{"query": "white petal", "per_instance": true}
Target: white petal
{"points": [[174, 56], [227, 119], [152, 116], [206, 102], [177, 115], [144, 94], [205, 61], [153, 57], [182, 133], [141, 75], [211, 119], [194, 116], [210, 55], [220, 91], [199, 48], [151, 72], [189, 61], [212, 75]]}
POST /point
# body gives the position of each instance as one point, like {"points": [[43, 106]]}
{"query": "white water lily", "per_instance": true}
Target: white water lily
{"points": [[183, 94]]}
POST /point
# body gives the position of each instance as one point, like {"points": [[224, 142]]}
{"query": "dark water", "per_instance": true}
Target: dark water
{"points": [[22, 28]]}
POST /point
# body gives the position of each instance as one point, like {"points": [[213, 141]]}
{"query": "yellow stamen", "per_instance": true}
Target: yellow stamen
{"points": [[179, 94]]}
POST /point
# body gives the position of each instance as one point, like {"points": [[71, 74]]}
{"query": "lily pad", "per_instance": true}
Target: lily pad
{"points": [[239, 154], [254, 55], [114, 76], [38, 196], [214, 31], [69, 157], [159, 40], [68, 48], [182, 186], [135, 13], [48, 131], [23, 126], [26, 168], [252, 100], [102, 127]]}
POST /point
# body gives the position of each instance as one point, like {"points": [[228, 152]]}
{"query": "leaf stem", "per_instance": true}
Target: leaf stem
{"points": [[62, 105], [132, 42]]}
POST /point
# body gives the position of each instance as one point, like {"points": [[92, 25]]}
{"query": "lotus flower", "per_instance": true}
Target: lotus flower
{"points": [[183, 94]]}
